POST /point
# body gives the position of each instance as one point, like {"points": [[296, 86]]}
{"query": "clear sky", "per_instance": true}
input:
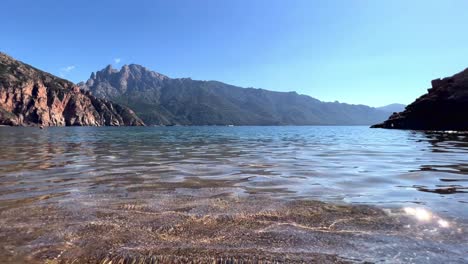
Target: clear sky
{"points": [[355, 51]]}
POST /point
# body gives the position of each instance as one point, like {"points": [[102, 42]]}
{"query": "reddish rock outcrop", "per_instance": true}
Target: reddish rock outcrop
{"points": [[29, 97], [444, 107]]}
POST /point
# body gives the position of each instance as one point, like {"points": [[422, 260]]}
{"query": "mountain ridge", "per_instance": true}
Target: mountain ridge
{"points": [[159, 99], [391, 108]]}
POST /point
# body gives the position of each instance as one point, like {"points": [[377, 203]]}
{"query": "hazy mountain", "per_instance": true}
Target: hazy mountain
{"points": [[391, 108], [158, 99], [444, 107], [29, 96]]}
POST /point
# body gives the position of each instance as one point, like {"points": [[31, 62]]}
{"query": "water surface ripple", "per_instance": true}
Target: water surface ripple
{"points": [[71, 171]]}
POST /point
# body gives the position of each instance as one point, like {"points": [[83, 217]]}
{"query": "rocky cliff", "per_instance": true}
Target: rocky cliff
{"points": [[444, 107], [29, 96], [158, 99]]}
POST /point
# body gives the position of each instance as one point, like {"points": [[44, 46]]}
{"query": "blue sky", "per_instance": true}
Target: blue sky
{"points": [[354, 51]]}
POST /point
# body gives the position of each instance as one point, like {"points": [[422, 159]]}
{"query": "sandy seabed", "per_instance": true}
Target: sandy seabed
{"points": [[219, 226]]}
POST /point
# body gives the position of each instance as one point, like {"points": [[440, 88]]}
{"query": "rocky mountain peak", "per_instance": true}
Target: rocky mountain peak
{"points": [[133, 71], [139, 71], [109, 68], [125, 68], [106, 72], [110, 83]]}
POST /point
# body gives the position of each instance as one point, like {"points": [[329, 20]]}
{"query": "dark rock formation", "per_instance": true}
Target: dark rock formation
{"points": [[29, 96], [161, 100], [444, 107]]}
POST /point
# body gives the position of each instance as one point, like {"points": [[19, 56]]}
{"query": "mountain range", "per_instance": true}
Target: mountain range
{"points": [[29, 96], [392, 108], [161, 100]]}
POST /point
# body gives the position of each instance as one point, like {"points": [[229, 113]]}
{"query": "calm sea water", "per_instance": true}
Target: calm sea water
{"points": [[344, 165], [340, 164]]}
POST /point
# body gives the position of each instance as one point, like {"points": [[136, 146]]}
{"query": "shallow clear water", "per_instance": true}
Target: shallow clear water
{"points": [[77, 168], [340, 164]]}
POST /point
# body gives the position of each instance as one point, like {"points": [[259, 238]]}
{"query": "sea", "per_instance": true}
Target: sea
{"points": [[334, 194]]}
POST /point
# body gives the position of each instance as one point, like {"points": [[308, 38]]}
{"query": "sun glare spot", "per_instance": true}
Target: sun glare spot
{"points": [[443, 223], [419, 213], [424, 215]]}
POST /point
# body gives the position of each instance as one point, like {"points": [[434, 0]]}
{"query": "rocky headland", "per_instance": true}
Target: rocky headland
{"points": [[444, 107], [31, 97]]}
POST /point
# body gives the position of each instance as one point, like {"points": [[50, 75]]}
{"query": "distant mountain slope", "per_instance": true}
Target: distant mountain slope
{"points": [[158, 99], [444, 107], [29, 96], [391, 108]]}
